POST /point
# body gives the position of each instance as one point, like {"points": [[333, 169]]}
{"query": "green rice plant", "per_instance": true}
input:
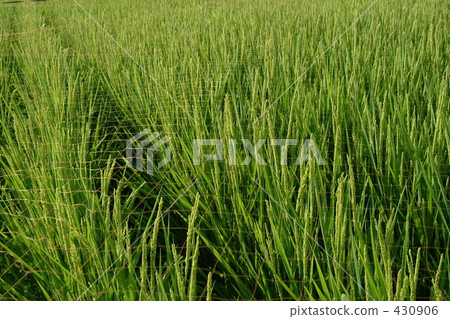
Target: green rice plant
{"points": [[78, 223]]}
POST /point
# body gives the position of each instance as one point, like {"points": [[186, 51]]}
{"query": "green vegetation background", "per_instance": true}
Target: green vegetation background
{"points": [[377, 106]]}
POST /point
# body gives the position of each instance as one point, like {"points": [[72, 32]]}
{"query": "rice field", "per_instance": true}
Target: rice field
{"points": [[367, 83]]}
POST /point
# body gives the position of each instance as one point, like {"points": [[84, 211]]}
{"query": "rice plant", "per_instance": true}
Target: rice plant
{"points": [[78, 223]]}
